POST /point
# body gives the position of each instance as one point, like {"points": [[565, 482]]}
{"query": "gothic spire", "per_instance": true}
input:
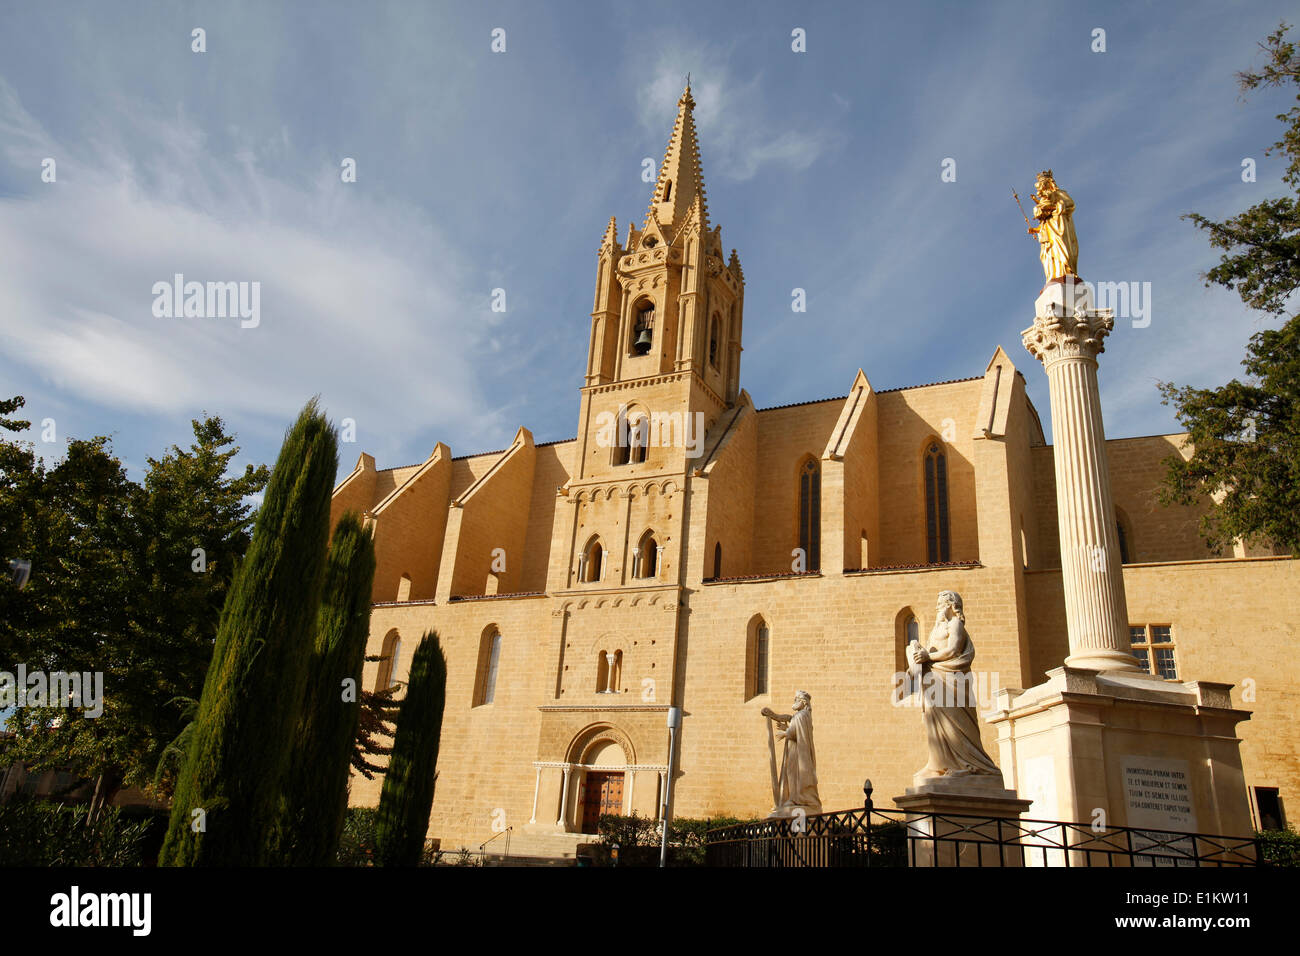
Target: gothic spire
{"points": [[681, 178]]}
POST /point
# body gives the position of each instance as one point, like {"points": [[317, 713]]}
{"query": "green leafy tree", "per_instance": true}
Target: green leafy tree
{"points": [[74, 522], [316, 791], [1246, 435], [407, 795], [196, 524], [118, 588], [242, 741], [17, 481]]}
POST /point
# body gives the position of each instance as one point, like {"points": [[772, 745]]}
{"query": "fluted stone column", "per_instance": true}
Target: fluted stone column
{"points": [[1067, 336]]}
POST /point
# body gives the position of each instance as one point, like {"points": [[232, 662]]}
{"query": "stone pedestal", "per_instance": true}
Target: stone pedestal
{"points": [[976, 823], [1109, 749]]}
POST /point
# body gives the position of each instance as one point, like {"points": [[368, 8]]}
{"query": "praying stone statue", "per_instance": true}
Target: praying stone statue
{"points": [[795, 788], [947, 698], [1058, 245]]}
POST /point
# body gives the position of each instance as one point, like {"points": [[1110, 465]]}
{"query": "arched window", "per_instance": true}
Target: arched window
{"points": [[631, 436], [620, 453], [668, 191], [810, 513], [591, 564], [714, 331], [909, 630], [936, 504], [390, 653], [906, 630], [1124, 537], [645, 560], [758, 649], [643, 327], [602, 671], [731, 337], [717, 560], [638, 438], [489, 659]]}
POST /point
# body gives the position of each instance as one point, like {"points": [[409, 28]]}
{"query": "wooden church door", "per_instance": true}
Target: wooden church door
{"points": [[603, 794]]}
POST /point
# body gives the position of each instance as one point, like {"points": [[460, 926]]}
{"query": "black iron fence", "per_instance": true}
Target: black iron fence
{"points": [[897, 838]]}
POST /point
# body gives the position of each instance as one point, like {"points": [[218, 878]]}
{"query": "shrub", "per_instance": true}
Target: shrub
{"points": [[1280, 847], [37, 833], [461, 857], [639, 841], [357, 842]]}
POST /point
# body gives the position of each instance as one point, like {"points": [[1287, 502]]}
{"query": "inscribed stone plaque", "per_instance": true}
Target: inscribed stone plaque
{"points": [[1158, 794]]}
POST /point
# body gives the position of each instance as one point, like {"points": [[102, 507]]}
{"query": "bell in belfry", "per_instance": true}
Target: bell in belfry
{"points": [[643, 341]]}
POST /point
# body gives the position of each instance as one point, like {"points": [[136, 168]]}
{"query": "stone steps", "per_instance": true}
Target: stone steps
{"points": [[561, 847], [513, 860]]}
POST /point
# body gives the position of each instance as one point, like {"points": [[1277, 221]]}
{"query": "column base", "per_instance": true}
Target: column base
{"points": [[1108, 660]]}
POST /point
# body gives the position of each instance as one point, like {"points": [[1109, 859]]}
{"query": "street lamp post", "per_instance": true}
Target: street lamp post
{"points": [[674, 723]]}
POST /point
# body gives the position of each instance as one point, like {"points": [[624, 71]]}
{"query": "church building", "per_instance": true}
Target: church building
{"points": [[689, 549]]}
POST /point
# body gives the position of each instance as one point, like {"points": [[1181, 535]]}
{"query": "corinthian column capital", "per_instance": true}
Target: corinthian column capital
{"points": [[1058, 333]]}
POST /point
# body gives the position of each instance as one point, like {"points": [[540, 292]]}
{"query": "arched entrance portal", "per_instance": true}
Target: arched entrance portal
{"points": [[596, 774], [598, 777], [602, 783]]}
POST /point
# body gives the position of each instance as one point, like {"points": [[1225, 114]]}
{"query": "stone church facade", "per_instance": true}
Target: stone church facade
{"points": [[689, 549]]}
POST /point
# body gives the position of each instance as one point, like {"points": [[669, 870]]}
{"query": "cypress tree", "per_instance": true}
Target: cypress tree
{"points": [[316, 791], [407, 795], [242, 741]]}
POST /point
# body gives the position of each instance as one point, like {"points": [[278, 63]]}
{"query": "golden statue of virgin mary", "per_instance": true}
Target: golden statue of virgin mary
{"points": [[1058, 245]]}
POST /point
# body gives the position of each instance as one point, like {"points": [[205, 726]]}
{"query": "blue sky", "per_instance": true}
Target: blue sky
{"points": [[479, 170]]}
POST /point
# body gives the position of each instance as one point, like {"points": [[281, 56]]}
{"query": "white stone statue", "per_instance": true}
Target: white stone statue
{"points": [[795, 789], [947, 698]]}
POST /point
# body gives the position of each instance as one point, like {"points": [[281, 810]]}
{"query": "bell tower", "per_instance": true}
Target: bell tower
{"points": [[666, 299], [662, 368]]}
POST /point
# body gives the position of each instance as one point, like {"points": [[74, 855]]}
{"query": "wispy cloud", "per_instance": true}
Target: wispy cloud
{"points": [[361, 300]]}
